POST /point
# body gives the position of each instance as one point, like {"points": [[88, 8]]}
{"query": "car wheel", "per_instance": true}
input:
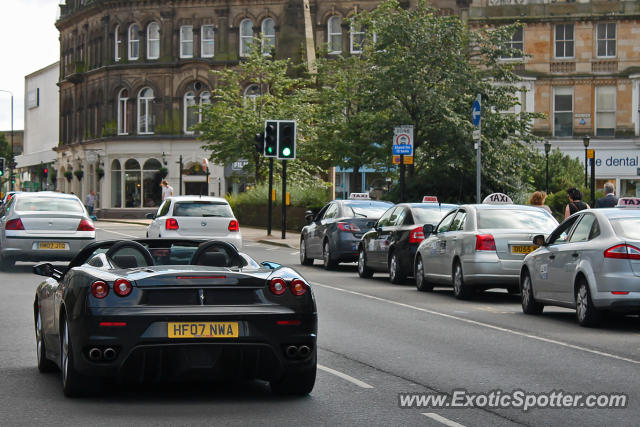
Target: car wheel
{"points": [[298, 382], [421, 282], [327, 260], [460, 289], [529, 303], [303, 253], [363, 271], [396, 275], [74, 384], [586, 312], [44, 364]]}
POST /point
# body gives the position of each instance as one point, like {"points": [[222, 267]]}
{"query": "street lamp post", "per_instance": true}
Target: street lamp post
{"points": [[585, 141], [11, 179], [547, 148]]}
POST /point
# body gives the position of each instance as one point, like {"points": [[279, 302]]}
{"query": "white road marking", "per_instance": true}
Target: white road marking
{"points": [[272, 249], [121, 234], [294, 253], [487, 325], [441, 419], [345, 377]]}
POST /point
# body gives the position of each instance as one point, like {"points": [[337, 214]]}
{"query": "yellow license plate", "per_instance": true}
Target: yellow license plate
{"points": [[52, 245], [523, 249], [202, 329]]}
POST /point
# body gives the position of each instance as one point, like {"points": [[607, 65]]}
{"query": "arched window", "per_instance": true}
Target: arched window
{"points": [[151, 177], [207, 41], [134, 42], [334, 35], [116, 184], [132, 184], [123, 99], [251, 94], [153, 41], [145, 116], [190, 116], [246, 37], [116, 43], [268, 36], [356, 33]]}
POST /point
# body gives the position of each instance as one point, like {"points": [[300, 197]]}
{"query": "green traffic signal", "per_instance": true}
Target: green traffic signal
{"points": [[286, 152], [287, 139]]}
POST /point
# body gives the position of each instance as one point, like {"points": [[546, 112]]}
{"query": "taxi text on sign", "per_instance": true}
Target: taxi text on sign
{"points": [[403, 141]]}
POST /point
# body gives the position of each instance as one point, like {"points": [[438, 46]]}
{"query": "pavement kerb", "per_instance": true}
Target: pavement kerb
{"points": [[274, 243]]}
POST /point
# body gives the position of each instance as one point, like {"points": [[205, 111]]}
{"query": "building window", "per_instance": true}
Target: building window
{"points": [[134, 42], [516, 44], [251, 94], [356, 38], [123, 99], [605, 110], [564, 41], [116, 44], [145, 117], [186, 41], [246, 37], [606, 40], [116, 184], [334, 35], [268, 36], [192, 114], [563, 111], [207, 41], [153, 41], [132, 184], [151, 190]]}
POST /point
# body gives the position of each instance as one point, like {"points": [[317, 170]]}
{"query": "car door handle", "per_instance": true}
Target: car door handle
{"points": [[575, 254], [552, 257]]}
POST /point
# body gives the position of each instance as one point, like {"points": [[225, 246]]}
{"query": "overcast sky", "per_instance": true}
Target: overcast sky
{"points": [[29, 43]]}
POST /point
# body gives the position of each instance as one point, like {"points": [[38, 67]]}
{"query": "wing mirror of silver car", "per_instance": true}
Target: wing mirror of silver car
{"points": [[539, 240], [45, 269], [427, 229]]}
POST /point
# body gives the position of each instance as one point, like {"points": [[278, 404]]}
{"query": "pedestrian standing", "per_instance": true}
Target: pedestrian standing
{"points": [[575, 202], [537, 199], [609, 200], [167, 190], [90, 202]]}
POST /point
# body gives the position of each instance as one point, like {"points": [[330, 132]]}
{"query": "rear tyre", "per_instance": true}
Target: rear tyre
{"points": [[586, 312], [74, 384], [460, 289], [529, 303], [396, 275], [328, 262], [44, 365], [296, 382], [421, 282], [363, 271], [303, 253]]}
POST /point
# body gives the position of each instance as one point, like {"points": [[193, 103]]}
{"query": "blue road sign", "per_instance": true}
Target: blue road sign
{"points": [[476, 113], [402, 149]]}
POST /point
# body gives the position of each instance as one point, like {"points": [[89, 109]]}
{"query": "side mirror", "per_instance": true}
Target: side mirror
{"points": [[270, 265], [539, 240], [428, 229], [151, 216], [308, 216], [44, 269]]}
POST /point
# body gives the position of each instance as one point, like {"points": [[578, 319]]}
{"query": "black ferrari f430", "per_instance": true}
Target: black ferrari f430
{"points": [[162, 310]]}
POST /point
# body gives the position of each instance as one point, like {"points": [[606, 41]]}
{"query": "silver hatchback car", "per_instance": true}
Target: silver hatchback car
{"points": [[43, 226], [591, 263], [479, 246]]}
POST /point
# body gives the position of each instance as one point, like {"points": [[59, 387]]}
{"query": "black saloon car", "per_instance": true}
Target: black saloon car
{"points": [[334, 233], [391, 244], [163, 310]]}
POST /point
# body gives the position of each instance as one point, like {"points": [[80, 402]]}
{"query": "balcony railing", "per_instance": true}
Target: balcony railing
{"points": [[604, 67], [563, 67]]}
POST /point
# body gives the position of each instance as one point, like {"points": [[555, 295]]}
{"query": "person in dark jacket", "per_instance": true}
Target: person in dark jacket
{"points": [[575, 202], [609, 200]]}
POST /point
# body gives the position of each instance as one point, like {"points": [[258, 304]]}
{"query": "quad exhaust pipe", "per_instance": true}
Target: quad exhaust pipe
{"points": [[109, 354], [95, 354], [297, 352], [304, 351]]}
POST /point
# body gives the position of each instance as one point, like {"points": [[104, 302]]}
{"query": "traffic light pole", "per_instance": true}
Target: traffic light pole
{"points": [[284, 199], [270, 203], [180, 162], [592, 162], [401, 178]]}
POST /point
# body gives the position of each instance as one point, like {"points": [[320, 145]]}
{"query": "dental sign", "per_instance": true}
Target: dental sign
{"points": [[612, 162]]}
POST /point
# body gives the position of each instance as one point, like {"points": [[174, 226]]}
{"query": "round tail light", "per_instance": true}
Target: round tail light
{"points": [[277, 286], [122, 287], [99, 289], [298, 287]]}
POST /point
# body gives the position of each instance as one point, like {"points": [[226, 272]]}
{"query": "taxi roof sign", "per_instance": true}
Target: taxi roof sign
{"points": [[497, 199], [430, 199], [359, 196], [629, 202]]}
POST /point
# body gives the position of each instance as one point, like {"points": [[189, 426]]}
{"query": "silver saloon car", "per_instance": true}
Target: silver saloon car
{"points": [[590, 263], [479, 246], [43, 226]]}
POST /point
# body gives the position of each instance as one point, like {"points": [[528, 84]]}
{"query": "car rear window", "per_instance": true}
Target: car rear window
{"points": [[367, 209], [515, 219], [47, 204], [627, 228], [430, 215], [203, 208]]}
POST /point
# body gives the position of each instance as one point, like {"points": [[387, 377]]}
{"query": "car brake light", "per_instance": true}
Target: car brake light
{"points": [[346, 226], [86, 225], [234, 225], [416, 235], [122, 287], [113, 323], [171, 224], [99, 289], [485, 242], [289, 322], [620, 292], [14, 224], [277, 286], [622, 251], [298, 287]]}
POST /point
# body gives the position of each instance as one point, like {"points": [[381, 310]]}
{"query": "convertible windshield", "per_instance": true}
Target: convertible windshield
{"points": [[367, 209], [48, 204], [515, 219]]}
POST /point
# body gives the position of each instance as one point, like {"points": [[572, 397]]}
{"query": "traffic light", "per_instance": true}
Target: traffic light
{"points": [[1, 166], [45, 172], [286, 139], [270, 138], [259, 142]]}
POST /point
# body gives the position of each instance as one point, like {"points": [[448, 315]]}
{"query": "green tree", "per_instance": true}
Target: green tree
{"points": [[5, 151]]}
